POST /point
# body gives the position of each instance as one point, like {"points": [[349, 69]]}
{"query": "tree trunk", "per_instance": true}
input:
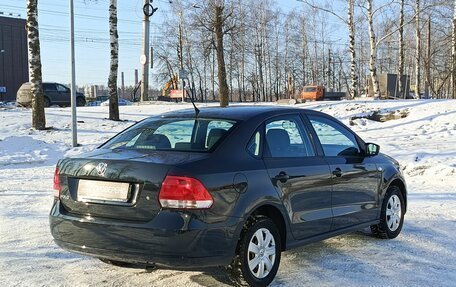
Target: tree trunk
{"points": [[418, 50], [453, 54], [35, 75], [373, 51], [400, 71], [427, 81], [112, 81], [213, 75], [218, 27]]}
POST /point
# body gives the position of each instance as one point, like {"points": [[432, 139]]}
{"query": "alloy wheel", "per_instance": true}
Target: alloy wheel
{"points": [[393, 213], [261, 253]]}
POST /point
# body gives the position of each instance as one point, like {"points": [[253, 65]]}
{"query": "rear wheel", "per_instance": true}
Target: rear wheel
{"points": [[392, 215], [257, 257], [47, 102]]}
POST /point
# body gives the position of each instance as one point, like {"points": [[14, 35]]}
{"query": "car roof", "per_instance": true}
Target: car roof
{"points": [[236, 112]]}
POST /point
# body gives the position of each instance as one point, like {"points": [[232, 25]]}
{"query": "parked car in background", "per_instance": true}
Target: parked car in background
{"points": [[54, 94], [98, 100], [226, 187], [122, 102], [7, 104]]}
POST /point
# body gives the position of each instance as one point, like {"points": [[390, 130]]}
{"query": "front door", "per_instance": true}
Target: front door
{"points": [[355, 177], [302, 179], [64, 94]]}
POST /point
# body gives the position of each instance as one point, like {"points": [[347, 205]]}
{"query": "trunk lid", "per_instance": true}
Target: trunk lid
{"points": [[119, 184]]}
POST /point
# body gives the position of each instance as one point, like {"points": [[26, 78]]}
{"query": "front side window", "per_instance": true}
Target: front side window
{"points": [[61, 88], [173, 134], [286, 137], [310, 89], [335, 139]]}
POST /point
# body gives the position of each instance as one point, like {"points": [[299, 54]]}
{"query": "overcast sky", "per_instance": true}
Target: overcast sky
{"points": [[92, 36]]}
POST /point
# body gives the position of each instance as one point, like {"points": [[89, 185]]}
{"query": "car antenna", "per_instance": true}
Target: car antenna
{"points": [[197, 111]]}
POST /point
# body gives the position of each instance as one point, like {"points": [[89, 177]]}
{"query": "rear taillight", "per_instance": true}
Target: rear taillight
{"points": [[184, 192], [56, 183]]}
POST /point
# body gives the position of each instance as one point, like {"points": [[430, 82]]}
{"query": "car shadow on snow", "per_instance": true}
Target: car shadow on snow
{"points": [[212, 277], [419, 256]]}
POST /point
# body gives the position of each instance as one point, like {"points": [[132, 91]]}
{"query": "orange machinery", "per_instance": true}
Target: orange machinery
{"points": [[313, 93]]}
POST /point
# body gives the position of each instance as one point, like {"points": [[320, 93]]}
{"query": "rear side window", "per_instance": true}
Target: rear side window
{"points": [[253, 147], [286, 137], [173, 134], [49, 87], [334, 138], [215, 130]]}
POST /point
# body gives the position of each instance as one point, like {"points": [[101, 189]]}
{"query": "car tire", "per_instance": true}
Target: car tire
{"points": [[80, 102], [392, 215], [256, 274], [46, 102]]}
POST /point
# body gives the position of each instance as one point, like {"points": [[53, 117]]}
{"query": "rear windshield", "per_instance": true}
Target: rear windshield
{"points": [[180, 134]]}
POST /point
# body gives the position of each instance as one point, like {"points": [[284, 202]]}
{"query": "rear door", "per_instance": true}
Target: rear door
{"points": [[300, 176], [50, 90], [355, 178]]}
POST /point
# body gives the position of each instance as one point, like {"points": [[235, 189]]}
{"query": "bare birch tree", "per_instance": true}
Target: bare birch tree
{"points": [[453, 53], [112, 80], [219, 20], [35, 74], [400, 71], [215, 19], [418, 49], [353, 91], [373, 50], [351, 36]]}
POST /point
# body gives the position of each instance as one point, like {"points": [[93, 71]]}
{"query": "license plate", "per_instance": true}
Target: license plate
{"points": [[102, 191]]}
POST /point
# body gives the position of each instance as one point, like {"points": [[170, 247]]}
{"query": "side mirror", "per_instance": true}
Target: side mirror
{"points": [[372, 149]]}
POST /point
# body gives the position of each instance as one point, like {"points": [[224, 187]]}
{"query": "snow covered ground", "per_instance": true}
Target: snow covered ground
{"points": [[423, 255]]}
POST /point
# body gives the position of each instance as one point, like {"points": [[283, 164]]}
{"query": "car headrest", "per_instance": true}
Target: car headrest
{"points": [[278, 139], [159, 141], [214, 135], [183, 146]]}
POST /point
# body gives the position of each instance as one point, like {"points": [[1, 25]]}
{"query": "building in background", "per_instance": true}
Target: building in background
{"points": [[13, 57]]}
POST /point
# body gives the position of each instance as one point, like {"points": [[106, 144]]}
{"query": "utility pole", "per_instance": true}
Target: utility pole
{"points": [[123, 84], [181, 56], [136, 77], [329, 69], [334, 75], [144, 56], [73, 79]]}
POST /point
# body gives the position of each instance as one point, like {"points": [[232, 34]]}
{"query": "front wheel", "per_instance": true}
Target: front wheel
{"points": [[258, 254], [80, 102], [392, 215]]}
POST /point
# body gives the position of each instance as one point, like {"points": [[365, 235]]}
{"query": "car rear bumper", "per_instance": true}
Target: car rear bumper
{"points": [[172, 239]]}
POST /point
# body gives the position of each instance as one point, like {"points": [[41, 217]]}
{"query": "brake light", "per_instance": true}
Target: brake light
{"points": [[56, 182], [184, 192]]}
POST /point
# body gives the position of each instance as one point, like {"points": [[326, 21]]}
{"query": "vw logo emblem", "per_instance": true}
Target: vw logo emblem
{"points": [[101, 168]]}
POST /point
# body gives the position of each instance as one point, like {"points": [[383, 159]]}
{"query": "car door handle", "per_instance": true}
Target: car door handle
{"points": [[282, 176], [337, 172]]}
